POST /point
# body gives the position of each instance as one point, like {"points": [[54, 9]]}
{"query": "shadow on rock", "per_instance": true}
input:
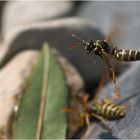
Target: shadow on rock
{"points": [[129, 98], [107, 136]]}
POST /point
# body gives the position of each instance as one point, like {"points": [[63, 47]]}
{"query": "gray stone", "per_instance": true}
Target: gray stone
{"points": [[18, 13]]}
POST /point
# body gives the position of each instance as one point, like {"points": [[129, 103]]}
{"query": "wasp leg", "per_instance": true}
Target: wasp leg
{"points": [[116, 94], [103, 122], [124, 106], [106, 101], [67, 110], [84, 98], [86, 119], [94, 57], [101, 84], [88, 132]]}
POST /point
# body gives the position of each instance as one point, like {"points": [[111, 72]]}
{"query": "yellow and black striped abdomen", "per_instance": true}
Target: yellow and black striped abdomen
{"points": [[110, 110], [127, 55]]}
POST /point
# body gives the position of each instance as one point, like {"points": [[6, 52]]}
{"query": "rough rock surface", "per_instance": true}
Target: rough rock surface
{"points": [[18, 13]]}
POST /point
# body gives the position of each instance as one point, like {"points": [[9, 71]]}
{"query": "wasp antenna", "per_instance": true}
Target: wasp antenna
{"points": [[67, 110], [77, 37], [74, 46]]}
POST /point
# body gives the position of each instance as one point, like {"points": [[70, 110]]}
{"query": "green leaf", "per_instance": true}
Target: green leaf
{"points": [[39, 114]]}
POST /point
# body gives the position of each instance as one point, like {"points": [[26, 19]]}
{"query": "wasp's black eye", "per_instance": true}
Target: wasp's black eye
{"points": [[88, 47]]}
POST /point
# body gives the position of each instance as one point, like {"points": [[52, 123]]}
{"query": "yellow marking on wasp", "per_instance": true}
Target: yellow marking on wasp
{"points": [[123, 51], [136, 54], [104, 108], [109, 110], [114, 110], [129, 55], [98, 45], [97, 42], [118, 112], [96, 48], [116, 55]]}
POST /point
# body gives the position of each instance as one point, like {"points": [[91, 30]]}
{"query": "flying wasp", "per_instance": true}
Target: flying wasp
{"points": [[102, 48], [105, 51]]}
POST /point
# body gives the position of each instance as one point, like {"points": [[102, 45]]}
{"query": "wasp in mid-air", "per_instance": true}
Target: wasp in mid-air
{"points": [[106, 51]]}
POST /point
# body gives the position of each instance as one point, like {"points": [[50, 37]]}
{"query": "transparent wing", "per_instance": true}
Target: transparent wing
{"points": [[115, 29]]}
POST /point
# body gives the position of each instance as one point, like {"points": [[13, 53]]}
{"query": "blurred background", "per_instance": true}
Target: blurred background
{"points": [[27, 25]]}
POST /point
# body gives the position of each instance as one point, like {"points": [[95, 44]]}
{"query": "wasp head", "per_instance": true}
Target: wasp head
{"points": [[89, 45]]}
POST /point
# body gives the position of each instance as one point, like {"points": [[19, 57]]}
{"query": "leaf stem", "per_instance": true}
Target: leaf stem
{"points": [[43, 95]]}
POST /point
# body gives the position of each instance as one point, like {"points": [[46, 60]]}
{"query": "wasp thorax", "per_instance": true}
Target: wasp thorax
{"points": [[89, 46], [104, 45]]}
